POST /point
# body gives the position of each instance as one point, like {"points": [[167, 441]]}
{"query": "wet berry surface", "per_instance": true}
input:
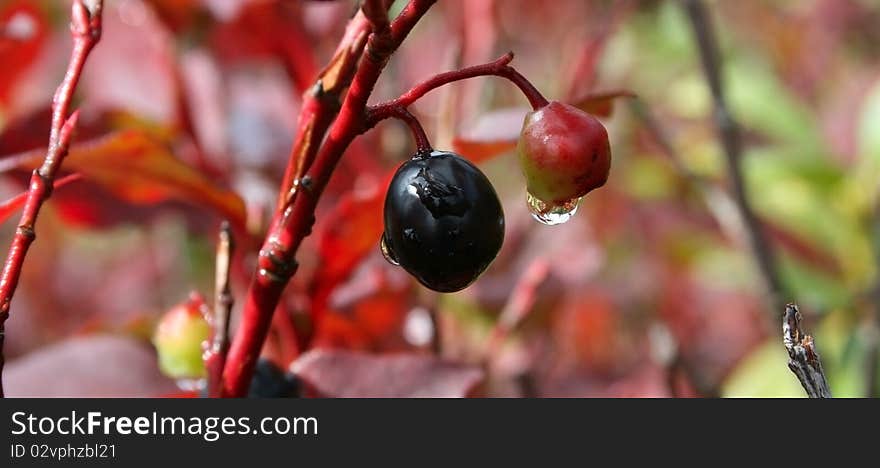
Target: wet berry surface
{"points": [[564, 154], [443, 221]]}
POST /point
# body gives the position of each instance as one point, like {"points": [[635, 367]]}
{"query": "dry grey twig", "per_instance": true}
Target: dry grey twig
{"points": [[803, 359]]}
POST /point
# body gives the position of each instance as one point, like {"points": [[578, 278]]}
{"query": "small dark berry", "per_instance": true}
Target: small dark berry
{"points": [[270, 381], [443, 220]]}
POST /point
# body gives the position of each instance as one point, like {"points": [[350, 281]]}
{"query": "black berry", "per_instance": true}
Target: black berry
{"points": [[443, 220], [271, 382]]}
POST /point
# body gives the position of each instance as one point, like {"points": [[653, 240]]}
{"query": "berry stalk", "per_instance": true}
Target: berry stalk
{"points": [[86, 31], [423, 145], [498, 67]]}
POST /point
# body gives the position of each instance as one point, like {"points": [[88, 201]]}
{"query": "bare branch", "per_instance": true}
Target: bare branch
{"points": [[215, 357], [803, 359], [376, 11], [85, 28]]}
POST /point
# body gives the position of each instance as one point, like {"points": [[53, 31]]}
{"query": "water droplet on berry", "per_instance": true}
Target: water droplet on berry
{"points": [[191, 384], [411, 235], [388, 253], [552, 213]]}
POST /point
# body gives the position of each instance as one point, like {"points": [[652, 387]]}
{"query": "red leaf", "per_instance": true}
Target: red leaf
{"points": [[269, 29], [367, 311], [9, 207], [178, 15], [494, 133], [478, 151], [381, 314], [338, 331], [587, 327], [347, 374], [140, 168], [346, 236], [93, 366], [23, 31], [350, 231], [521, 303], [601, 104]]}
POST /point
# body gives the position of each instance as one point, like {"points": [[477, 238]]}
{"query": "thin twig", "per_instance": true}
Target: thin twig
{"points": [[215, 357], [15, 203], [803, 359], [86, 31], [729, 133]]}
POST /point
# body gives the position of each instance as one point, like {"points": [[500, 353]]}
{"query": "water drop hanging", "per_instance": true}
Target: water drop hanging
{"points": [[552, 214], [191, 384], [388, 253]]}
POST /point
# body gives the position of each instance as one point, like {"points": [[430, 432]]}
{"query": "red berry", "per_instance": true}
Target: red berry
{"points": [[564, 153]]}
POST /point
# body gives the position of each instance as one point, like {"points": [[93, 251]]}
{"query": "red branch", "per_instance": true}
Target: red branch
{"points": [[321, 104], [300, 195], [398, 108], [86, 31], [8, 207], [499, 67]]}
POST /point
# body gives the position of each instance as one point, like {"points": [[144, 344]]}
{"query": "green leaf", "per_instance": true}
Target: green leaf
{"points": [[764, 373]]}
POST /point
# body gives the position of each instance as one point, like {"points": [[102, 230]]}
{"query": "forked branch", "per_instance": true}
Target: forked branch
{"points": [[306, 176]]}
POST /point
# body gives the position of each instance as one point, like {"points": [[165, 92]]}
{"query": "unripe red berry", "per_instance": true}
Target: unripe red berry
{"points": [[564, 153], [443, 221]]}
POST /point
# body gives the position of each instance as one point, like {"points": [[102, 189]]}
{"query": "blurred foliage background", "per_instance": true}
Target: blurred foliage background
{"points": [[648, 291]]}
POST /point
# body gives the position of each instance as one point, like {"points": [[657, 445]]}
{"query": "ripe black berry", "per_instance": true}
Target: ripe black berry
{"points": [[443, 220], [270, 381]]}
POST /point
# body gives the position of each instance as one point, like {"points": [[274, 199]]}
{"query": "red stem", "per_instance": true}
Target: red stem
{"points": [[86, 31], [10, 206], [423, 145], [294, 221], [321, 103], [397, 108], [498, 67]]}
